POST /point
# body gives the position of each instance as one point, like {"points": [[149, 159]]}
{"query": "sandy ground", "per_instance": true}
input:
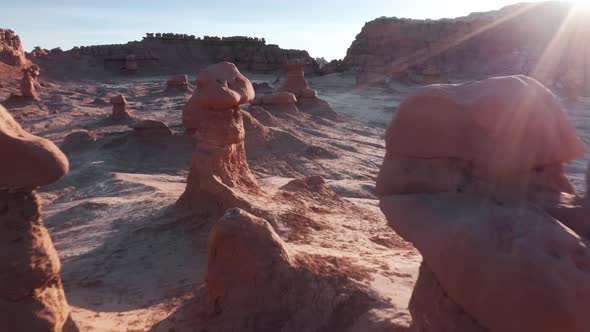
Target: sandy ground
{"points": [[129, 261]]}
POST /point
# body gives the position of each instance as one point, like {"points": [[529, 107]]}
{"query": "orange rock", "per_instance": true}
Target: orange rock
{"points": [[295, 82], [30, 161], [120, 111], [503, 130], [219, 169], [511, 267], [31, 294]]}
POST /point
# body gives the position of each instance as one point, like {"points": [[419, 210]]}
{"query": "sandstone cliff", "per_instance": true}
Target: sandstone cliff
{"points": [[518, 39]]}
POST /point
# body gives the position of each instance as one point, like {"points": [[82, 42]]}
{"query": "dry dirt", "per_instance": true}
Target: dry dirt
{"points": [[130, 260]]}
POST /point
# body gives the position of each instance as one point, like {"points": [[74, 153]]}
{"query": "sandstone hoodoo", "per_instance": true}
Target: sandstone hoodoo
{"points": [[11, 49], [307, 98], [178, 84], [296, 82], [466, 175], [219, 171], [31, 294], [120, 111], [29, 82]]}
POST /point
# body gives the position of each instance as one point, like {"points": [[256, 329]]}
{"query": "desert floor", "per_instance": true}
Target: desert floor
{"points": [[130, 262]]}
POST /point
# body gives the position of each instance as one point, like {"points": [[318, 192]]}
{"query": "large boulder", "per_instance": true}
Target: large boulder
{"points": [[499, 132], [295, 82], [120, 111]]}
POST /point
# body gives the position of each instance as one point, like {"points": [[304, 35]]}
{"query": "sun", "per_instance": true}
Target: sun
{"points": [[581, 4]]}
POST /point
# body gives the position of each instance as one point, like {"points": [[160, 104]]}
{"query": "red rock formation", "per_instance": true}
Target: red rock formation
{"points": [[120, 111], [295, 82], [517, 39], [31, 293], [278, 103], [479, 135], [29, 82], [219, 169], [467, 175], [178, 84], [253, 283], [11, 49], [511, 267], [78, 140], [151, 128]]}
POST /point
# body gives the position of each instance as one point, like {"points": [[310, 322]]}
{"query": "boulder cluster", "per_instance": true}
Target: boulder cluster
{"points": [[178, 84], [31, 293], [471, 176]]}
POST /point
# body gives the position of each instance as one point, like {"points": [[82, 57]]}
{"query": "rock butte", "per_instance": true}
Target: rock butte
{"points": [[219, 169], [473, 212], [509, 41], [31, 293]]}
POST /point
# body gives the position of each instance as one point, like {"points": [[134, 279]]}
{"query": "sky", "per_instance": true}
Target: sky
{"points": [[325, 28]]}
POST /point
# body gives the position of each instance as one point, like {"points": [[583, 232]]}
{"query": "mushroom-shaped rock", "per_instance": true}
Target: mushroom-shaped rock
{"points": [[178, 84], [511, 268], [120, 111], [504, 132], [31, 293], [78, 140], [219, 169], [30, 161], [295, 82], [151, 128]]}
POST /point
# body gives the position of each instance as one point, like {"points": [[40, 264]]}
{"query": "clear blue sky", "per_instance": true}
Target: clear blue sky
{"points": [[325, 28]]}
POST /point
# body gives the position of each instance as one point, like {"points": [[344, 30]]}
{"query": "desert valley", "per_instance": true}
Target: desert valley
{"points": [[432, 180]]}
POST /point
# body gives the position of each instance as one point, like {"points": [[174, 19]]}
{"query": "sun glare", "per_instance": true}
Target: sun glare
{"points": [[582, 4]]}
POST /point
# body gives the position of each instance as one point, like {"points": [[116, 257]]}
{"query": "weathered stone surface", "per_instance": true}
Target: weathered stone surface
{"points": [[517, 39], [11, 49], [295, 82], [78, 140], [178, 84], [513, 268], [120, 111], [292, 292], [219, 169], [500, 133], [433, 310], [151, 128], [30, 161], [31, 293]]}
